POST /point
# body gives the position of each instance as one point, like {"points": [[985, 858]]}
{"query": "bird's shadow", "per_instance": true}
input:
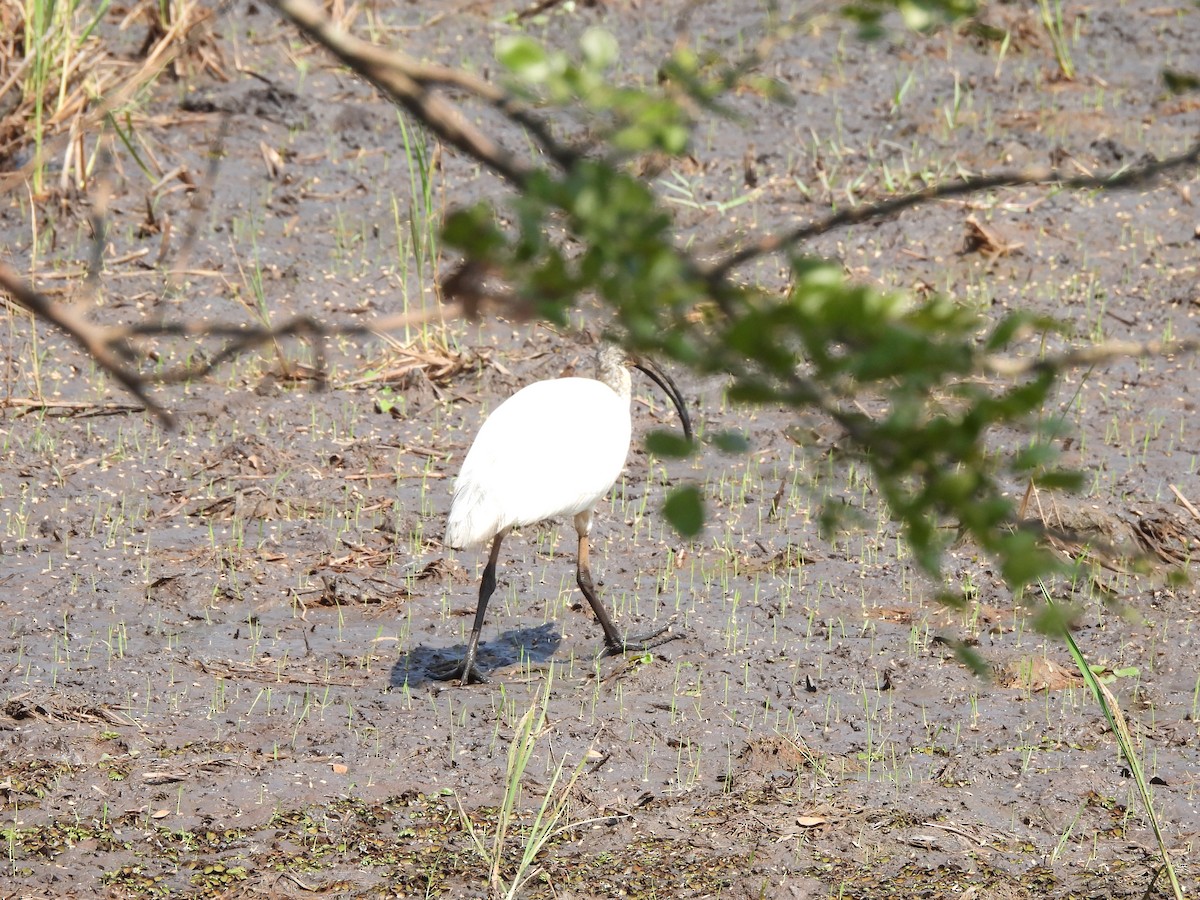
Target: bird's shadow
{"points": [[537, 644]]}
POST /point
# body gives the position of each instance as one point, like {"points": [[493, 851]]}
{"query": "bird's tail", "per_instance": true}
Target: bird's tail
{"points": [[473, 521]]}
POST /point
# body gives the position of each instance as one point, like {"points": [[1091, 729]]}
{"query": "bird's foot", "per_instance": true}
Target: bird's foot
{"points": [[461, 672], [643, 642]]}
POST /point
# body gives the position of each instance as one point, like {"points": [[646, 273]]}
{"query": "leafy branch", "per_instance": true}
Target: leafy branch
{"points": [[824, 344], [583, 224]]}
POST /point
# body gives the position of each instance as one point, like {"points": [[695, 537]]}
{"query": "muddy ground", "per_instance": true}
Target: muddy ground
{"points": [[217, 641]]}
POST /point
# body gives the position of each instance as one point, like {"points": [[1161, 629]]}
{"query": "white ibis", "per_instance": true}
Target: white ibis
{"points": [[554, 448]]}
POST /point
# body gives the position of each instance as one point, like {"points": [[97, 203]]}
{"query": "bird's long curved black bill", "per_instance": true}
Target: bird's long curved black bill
{"points": [[664, 381]]}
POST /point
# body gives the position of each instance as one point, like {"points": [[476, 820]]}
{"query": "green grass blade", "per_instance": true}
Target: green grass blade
{"points": [[1116, 721]]}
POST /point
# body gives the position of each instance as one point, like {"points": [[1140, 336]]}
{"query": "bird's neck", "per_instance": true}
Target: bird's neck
{"points": [[616, 376]]}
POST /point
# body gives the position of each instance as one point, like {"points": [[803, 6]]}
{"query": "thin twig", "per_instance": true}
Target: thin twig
{"points": [[92, 339], [399, 77], [109, 345], [410, 84], [1087, 356], [1123, 178], [1185, 502], [199, 203]]}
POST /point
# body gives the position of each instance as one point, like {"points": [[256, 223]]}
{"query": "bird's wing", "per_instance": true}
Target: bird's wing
{"points": [[552, 449]]}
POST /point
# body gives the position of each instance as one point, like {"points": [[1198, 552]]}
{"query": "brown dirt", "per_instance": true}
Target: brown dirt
{"points": [[218, 640]]}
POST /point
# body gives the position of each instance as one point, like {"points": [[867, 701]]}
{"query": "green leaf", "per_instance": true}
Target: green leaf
{"points": [[772, 89], [600, 48], [748, 390], [1022, 561], [971, 658], [668, 444], [1053, 619], [1179, 82], [1010, 328], [1060, 480], [916, 16], [954, 599], [473, 230], [523, 56], [1034, 457], [986, 32], [684, 509], [730, 441]]}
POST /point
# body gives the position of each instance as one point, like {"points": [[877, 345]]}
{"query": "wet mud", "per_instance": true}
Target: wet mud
{"points": [[218, 641]]}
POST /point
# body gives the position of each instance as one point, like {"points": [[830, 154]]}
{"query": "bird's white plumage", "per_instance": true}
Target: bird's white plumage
{"points": [[554, 448]]}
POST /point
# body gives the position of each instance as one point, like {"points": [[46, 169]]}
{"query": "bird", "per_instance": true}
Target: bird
{"points": [[553, 448]]}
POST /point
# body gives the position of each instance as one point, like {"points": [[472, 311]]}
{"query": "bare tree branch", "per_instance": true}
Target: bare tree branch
{"points": [[1122, 178], [1088, 356], [409, 83], [406, 82], [415, 86], [240, 339], [92, 339], [109, 345]]}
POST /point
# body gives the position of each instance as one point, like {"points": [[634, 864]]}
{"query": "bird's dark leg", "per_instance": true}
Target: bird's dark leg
{"points": [[613, 642], [466, 672]]}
